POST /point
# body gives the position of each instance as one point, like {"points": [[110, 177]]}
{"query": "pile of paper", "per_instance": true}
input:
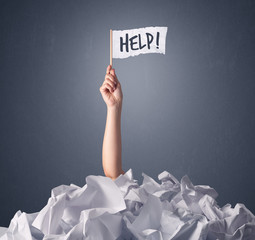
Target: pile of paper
{"points": [[123, 209]]}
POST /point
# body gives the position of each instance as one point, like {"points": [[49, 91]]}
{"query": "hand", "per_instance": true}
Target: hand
{"points": [[111, 89]]}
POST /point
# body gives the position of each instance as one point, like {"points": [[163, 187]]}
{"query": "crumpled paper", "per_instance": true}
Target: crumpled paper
{"points": [[122, 209]]}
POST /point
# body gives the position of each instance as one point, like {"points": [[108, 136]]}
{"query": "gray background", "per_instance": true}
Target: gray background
{"points": [[190, 111]]}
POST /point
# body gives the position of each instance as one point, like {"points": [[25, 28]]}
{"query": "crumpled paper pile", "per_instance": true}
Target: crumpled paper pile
{"points": [[124, 210]]}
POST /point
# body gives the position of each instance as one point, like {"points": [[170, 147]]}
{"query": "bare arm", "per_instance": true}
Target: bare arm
{"points": [[111, 149]]}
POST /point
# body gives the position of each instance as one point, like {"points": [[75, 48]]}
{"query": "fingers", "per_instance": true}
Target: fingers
{"points": [[108, 69], [112, 71], [111, 77], [109, 87], [106, 86], [111, 83]]}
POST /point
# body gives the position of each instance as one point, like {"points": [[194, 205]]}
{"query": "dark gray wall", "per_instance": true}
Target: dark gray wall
{"points": [[190, 111]]}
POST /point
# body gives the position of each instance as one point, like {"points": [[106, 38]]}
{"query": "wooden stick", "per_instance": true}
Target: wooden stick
{"points": [[111, 47]]}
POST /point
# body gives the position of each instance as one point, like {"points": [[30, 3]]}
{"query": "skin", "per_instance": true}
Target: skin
{"points": [[111, 149]]}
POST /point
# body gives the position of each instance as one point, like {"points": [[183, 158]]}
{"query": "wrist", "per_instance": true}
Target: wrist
{"points": [[115, 108]]}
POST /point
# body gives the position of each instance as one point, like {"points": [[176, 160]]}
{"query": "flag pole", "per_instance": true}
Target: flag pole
{"points": [[111, 47]]}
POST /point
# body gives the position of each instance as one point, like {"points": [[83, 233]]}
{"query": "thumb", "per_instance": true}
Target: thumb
{"points": [[108, 69], [112, 71]]}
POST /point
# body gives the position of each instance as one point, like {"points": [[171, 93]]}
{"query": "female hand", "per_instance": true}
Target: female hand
{"points": [[111, 89]]}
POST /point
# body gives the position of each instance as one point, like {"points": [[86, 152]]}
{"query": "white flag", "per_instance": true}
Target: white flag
{"points": [[133, 42]]}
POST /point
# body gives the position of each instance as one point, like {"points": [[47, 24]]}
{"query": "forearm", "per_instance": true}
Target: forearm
{"points": [[111, 150]]}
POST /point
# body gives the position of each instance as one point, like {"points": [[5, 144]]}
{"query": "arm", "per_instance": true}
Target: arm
{"points": [[111, 149]]}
